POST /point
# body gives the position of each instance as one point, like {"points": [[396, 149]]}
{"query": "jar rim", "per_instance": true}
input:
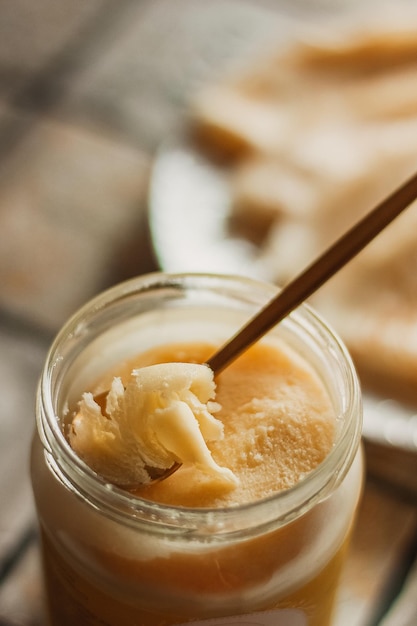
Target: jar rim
{"points": [[278, 508]]}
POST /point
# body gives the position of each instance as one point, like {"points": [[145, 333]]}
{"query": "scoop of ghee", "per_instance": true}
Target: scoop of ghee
{"points": [[164, 415]]}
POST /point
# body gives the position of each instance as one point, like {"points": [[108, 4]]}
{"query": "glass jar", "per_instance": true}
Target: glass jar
{"points": [[110, 558]]}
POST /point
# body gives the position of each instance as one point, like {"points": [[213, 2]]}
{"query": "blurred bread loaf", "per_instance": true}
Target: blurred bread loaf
{"points": [[314, 136]]}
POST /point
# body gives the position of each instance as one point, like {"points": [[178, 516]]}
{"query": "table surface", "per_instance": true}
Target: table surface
{"points": [[87, 92]]}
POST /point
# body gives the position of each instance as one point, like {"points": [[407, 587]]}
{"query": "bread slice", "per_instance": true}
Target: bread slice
{"points": [[315, 136]]}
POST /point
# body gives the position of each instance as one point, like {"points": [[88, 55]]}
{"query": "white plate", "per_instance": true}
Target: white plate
{"points": [[189, 211]]}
